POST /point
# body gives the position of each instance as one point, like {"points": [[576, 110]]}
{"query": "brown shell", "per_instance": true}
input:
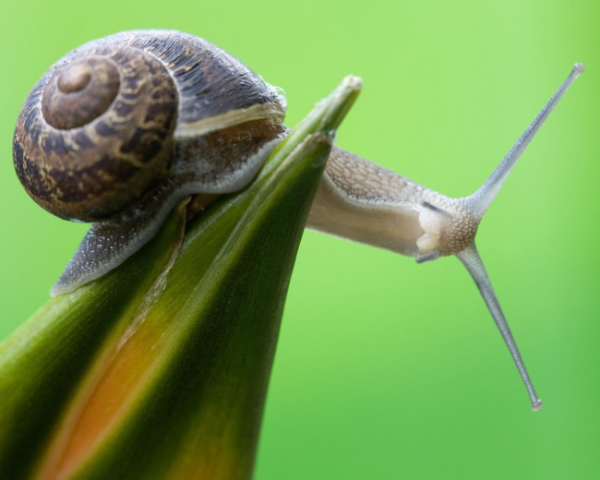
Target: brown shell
{"points": [[87, 144]]}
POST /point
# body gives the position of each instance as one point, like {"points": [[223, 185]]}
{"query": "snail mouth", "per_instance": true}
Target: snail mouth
{"points": [[428, 243], [447, 231], [433, 220]]}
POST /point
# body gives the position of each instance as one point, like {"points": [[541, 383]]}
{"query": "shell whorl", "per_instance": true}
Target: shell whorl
{"points": [[98, 131], [80, 91], [84, 150]]}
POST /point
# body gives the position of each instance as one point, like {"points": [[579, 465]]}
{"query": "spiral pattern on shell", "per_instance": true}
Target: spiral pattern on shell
{"points": [[99, 130]]}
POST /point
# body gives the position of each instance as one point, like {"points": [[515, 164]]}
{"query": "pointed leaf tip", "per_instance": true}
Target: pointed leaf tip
{"points": [[340, 102]]}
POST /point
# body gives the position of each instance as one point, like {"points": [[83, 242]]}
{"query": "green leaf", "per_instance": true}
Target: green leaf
{"points": [[159, 369]]}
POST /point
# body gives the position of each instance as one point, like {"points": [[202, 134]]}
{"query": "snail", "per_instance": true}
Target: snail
{"points": [[118, 131]]}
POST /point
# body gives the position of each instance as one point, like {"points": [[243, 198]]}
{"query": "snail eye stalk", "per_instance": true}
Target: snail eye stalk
{"points": [[478, 203]]}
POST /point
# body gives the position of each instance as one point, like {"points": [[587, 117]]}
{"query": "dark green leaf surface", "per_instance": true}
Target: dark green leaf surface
{"points": [[43, 362]]}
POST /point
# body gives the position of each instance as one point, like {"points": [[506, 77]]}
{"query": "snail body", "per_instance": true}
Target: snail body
{"points": [[121, 129]]}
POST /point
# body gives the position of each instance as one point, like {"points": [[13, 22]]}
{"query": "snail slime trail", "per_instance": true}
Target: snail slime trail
{"points": [[94, 143]]}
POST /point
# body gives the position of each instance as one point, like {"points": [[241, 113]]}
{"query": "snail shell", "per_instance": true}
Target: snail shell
{"points": [[122, 128]]}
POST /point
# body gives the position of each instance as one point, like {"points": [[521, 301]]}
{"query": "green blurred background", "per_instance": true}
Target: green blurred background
{"points": [[386, 369]]}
